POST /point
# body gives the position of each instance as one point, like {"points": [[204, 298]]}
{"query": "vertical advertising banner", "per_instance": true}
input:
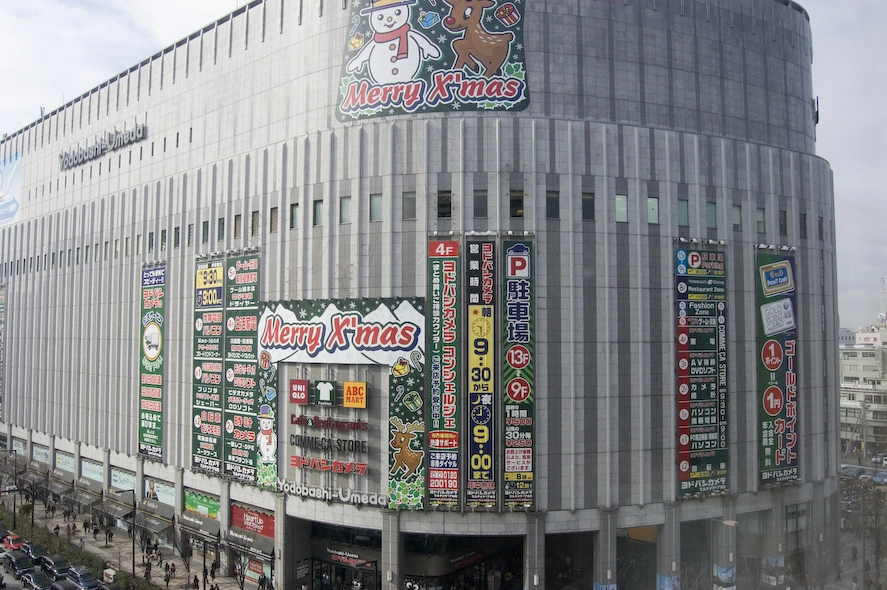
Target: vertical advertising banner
{"points": [[701, 331], [778, 368], [519, 373], [422, 55], [209, 326], [151, 363], [445, 374], [243, 402], [481, 294], [10, 188]]}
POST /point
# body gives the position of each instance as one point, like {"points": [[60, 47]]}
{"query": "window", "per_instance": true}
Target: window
{"points": [[684, 212], [588, 206], [821, 230], [345, 209], [96, 252], [272, 220], [803, 225], [376, 207], [552, 205], [126, 247], [238, 226], [138, 244], [783, 222], [761, 220], [190, 234], [106, 253], [317, 213], [711, 215], [737, 217], [294, 215], [176, 237], [162, 240], [653, 210], [480, 204], [409, 204], [444, 204], [516, 203], [150, 244], [204, 232], [220, 229], [254, 224], [622, 208]]}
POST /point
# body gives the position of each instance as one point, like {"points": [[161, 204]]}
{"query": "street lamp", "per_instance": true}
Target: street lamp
{"points": [[133, 534]]}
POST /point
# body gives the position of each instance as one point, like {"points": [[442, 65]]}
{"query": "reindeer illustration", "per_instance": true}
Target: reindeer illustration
{"points": [[477, 46], [401, 436]]}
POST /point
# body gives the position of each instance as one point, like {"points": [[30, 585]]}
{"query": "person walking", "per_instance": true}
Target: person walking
{"points": [[172, 571], [166, 568], [854, 553], [166, 579], [196, 583]]}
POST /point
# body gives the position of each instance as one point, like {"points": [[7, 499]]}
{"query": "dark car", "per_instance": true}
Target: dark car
{"points": [[109, 586], [35, 552], [64, 585], [83, 578], [17, 563], [36, 580], [56, 566]]}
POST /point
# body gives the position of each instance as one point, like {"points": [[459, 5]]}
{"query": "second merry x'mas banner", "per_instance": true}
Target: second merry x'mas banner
{"points": [[151, 363], [777, 368], [413, 56], [388, 332]]}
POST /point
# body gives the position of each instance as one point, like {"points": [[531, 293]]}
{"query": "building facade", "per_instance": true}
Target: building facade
{"points": [[435, 294]]}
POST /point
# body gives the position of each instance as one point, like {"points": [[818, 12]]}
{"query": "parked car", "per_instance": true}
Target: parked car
{"points": [[83, 578], [56, 567], [65, 584], [17, 563], [109, 586], [12, 542], [35, 552], [36, 580]]}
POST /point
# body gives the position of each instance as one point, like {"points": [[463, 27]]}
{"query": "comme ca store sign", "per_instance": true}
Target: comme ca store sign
{"points": [[111, 141]]}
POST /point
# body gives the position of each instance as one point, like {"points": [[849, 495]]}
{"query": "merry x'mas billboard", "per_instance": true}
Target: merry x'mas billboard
{"points": [[413, 56], [389, 332]]}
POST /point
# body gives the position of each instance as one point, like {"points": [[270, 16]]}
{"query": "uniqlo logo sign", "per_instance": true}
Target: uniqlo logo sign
{"points": [[299, 392]]}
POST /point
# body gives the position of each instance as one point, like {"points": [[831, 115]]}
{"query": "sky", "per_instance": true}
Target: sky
{"points": [[59, 49]]}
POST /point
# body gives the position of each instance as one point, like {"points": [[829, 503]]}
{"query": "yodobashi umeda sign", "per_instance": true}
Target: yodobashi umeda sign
{"points": [[112, 140]]}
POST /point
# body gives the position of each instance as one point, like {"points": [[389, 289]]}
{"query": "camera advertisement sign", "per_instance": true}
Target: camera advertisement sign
{"points": [[445, 373], [414, 56], [151, 362], [777, 368], [701, 332]]}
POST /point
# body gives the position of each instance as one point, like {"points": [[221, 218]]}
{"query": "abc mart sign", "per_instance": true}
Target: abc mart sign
{"points": [[111, 141]]}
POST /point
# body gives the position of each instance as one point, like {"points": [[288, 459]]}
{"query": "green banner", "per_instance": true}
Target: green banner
{"points": [[777, 368], [519, 372], [208, 368], [151, 363], [445, 373]]}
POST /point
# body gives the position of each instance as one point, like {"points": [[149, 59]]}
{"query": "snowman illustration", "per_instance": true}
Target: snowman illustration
{"points": [[267, 436], [395, 52]]}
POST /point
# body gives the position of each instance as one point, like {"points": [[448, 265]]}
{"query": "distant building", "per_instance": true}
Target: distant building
{"points": [[863, 366]]}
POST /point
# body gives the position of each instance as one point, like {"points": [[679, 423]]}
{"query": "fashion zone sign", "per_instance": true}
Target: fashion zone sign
{"points": [[111, 141]]}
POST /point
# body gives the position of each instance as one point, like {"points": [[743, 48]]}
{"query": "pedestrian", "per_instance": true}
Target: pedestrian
{"points": [[172, 571], [262, 581], [95, 532], [80, 543], [166, 568], [56, 529], [166, 579], [196, 583], [205, 574], [74, 528], [854, 553], [212, 570], [855, 582], [111, 536], [159, 556]]}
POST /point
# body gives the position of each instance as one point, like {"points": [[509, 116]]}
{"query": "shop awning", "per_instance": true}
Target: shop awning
{"points": [[86, 499], [200, 525], [250, 542], [59, 487], [84, 483], [115, 510], [151, 523]]}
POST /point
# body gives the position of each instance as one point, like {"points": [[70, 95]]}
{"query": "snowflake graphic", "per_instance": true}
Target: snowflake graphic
{"points": [[441, 39], [456, 106], [519, 46], [489, 18]]}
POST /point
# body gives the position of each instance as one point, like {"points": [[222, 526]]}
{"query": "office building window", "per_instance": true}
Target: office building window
{"points": [[238, 226], [409, 204], [150, 245], [552, 205], [204, 231], [220, 228], [126, 247], [138, 244], [621, 209], [821, 229], [345, 209], [254, 224], [190, 234], [317, 216], [376, 207], [106, 253], [783, 222], [444, 204], [176, 237], [711, 215], [653, 210], [272, 220], [516, 203], [683, 213], [737, 217], [803, 222], [480, 204], [162, 240], [294, 215], [588, 206], [760, 220]]}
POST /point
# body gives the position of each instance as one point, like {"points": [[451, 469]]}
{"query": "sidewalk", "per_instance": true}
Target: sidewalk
{"points": [[118, 553], [848, 567]]}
